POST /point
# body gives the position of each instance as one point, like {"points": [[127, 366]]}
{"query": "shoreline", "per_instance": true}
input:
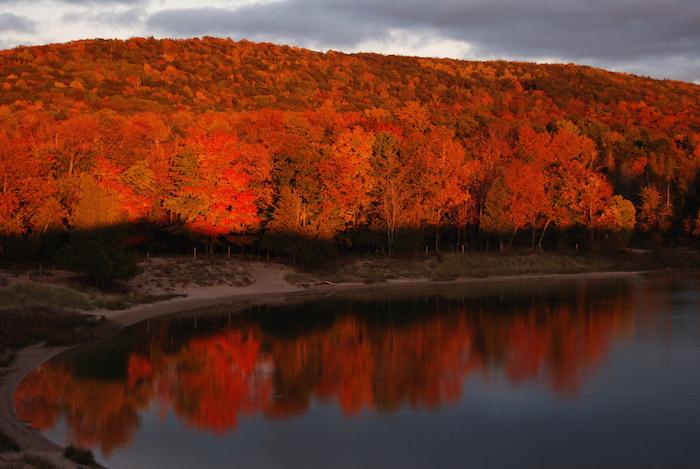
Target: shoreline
{"points": [[219, 296], [269, 285]]}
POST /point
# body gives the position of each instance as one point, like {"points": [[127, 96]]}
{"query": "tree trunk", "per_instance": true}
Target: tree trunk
{"points": [[512, 237], [539, 243], [389, 240], [437, 231], [437, 237]]}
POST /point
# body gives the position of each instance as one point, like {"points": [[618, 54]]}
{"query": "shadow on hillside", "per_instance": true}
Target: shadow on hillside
{"points": [[107, 254]]}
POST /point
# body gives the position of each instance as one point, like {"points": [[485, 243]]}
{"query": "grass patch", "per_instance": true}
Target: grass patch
{"points": [[375, 269], [32, 313], [172, 273], [24, 296], [22, 328], [36, 295], [452, 266], [449, 266], [7, 444], [79, 455]]}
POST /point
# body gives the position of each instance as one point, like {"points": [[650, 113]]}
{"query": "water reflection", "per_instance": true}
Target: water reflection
{"points": [[378, 354]]}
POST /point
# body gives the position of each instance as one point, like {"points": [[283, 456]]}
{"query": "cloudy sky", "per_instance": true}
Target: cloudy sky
{"points": [[660, 38]]}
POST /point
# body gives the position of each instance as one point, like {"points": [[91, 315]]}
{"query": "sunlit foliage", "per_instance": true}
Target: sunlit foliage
{"points": [[221, 138]]}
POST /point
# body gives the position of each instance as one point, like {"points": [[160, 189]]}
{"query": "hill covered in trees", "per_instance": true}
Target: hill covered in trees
{"points": [[290, 149]]}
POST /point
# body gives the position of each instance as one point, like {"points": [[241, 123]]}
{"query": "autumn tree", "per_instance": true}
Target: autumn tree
{"points": [[392, 177], [443, 173], [170, 134], [619, 219], [216, 180], [75, 143], [28, 201], [654, 215], [347, 179], [516, 199]]}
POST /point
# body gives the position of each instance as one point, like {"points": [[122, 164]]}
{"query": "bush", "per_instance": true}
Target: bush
{"points": [[101, 257], [7, 443], [79, 455], [301, 250]]}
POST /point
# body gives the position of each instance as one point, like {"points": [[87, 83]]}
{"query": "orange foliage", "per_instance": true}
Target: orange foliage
{"points": [[224, 137]]}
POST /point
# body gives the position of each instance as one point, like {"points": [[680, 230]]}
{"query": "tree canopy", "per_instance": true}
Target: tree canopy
{"points": [[223, 138]]}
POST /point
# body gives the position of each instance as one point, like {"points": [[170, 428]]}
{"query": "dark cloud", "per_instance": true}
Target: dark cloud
{"points": [[16, 23], [635, 34], [279, 21], [654, 37]]}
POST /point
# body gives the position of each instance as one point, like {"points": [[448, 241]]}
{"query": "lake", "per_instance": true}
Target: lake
{"points": [[566, 373]]}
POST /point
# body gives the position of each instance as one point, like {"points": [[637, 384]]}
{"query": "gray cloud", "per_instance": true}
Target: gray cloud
{"points": [[637, 35], [16, 23], [130, 17], [660, 38], [81, 2], [277, 21]]}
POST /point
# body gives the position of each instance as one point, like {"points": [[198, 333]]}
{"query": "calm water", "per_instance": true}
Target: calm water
{"points": [[533, 374]]}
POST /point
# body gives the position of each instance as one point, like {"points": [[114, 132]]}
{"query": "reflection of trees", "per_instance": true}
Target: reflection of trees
{"points": [[358, 362], [97, 413], [211, 380]]}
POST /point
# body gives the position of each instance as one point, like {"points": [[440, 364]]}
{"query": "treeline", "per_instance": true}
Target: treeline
{"points": [[291, 151]]}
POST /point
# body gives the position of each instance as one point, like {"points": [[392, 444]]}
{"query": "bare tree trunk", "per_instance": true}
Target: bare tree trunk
{"points": [[388, 240], [437, 237], [437, 230], [512, 237], [539, 243]]}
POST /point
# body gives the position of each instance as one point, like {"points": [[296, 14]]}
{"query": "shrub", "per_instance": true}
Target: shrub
{"points": [[101, 257], [7, 443], [79, 455]]}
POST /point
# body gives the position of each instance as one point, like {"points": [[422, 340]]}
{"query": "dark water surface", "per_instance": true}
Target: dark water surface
{"points": [[576, 373]]}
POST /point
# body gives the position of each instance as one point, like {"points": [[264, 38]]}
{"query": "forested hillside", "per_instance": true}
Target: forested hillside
{"points": [[285, 148]]}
